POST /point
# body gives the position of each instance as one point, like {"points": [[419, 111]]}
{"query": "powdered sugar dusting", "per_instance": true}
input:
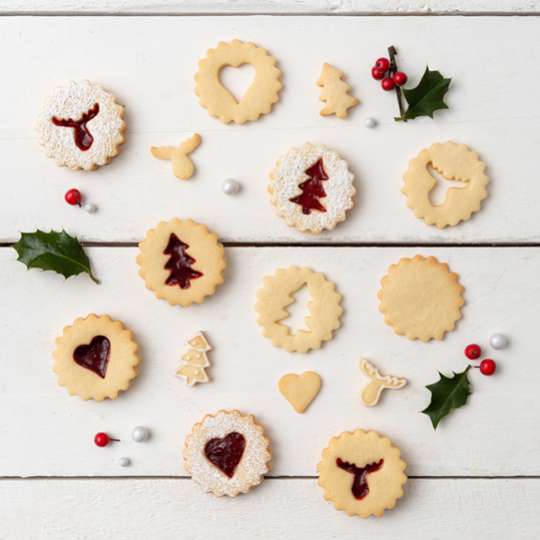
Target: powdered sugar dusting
{"points": [[289, 172], [252, 466], [72, 101]]}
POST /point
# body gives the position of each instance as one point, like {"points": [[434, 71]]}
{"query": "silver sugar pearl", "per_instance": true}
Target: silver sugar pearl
{"points": [[140, 434], [498, 341], [231, 187], [371, 123], [91, 208], [124, 461]]}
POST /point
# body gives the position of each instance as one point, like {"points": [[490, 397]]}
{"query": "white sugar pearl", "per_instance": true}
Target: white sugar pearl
{"points": [[231, 187], [498, 341], [124, 461], [371, 123], [91, 208], [140, 434]]}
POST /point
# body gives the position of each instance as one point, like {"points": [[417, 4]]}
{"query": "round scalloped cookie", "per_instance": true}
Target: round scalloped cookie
{"points": [[96, 357], [332, 190], [420, 298], [277, 293], [455, 162], [181, 261], [100, 125], [259, 97], [362, 473], [227, 453]]}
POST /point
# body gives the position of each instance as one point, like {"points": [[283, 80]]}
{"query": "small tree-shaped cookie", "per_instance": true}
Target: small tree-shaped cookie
{"points": [[335, 92], [195, 360]]}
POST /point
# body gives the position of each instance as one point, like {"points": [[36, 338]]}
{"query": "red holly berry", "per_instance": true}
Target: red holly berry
{"points": [[382, 63], [488, 366], [399, 78], [102, 439], [73, 197], [377, 73], [388, 84], [473, 351]]}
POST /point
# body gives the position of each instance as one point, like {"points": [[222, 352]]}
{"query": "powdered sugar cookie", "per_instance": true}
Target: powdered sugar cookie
{"points": [[181, 261], [420, 298], [312, 188], [454, 162], [96, 357], [259, 97], [227, 453], [362, 473], [81, 126]]}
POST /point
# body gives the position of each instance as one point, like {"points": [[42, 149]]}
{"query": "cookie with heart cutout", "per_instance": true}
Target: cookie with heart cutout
{"points": [[227, 453], [96, 357]]}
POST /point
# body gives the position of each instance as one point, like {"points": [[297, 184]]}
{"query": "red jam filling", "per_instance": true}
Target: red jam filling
{"points": [[94, 356], [81, 134], [312, 189], [359, 486], [179, 263], [225, 453]]}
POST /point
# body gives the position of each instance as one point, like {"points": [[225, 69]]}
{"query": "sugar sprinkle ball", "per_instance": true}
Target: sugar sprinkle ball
{"points": [[498, 341], [140, 434], [231, 187], [370, 123], [124, 461]]}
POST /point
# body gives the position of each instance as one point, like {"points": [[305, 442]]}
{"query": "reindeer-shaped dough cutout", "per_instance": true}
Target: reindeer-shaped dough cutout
{"points": [[372, 392], [183, 167]]}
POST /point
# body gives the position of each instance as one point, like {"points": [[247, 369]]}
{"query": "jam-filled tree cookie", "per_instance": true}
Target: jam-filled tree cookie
{"points": [[227, 453], [311, 188], [362, 473], [81, 125], [455, 162], [96, 358], [181, 261]]}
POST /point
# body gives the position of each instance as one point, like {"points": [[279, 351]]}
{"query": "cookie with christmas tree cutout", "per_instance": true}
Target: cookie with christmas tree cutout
{"points": [[312, 188], [227, 453], [362, 473], [81, 126], [181, 261], [96, 357]]}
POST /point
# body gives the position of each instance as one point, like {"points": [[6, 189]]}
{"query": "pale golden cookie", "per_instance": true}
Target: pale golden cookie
{"points": [[195, 360], [420, 298], [277, 292], [312, 188], [259, 97], [454, 162], [377, 383], [300, 390], [96, 357], [227, 453], [181, 261], [362, 473], [182, 165], [335, 92]]}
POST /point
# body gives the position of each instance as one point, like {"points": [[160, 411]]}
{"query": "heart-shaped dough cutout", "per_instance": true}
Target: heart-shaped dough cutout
{"points": [[237, 80], [300, 390]]}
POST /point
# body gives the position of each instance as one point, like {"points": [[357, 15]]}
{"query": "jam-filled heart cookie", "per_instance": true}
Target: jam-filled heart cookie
{"points": [[227, 453], [81, 125], [181, 261], [312, 188], [362, 473], [96, 358]]}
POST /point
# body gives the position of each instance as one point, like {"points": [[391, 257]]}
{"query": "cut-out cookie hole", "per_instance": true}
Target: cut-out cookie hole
{"points": [[237, 80], [298, 311], [437, 195]]}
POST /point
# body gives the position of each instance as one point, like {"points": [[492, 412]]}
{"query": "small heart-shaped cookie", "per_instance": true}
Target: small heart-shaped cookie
{"points": [[300, 390]]}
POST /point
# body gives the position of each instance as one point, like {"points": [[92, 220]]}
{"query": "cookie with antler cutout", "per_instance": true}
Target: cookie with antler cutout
{"points": [[182, 165]]}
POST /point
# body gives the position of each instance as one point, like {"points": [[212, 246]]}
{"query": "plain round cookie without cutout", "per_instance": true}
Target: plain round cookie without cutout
{"points": [[455, 162], [252, 466], [259, 97], [277, 293], [71, 102], [204, 247], [420, 298], [361, 448], [122, 366]]}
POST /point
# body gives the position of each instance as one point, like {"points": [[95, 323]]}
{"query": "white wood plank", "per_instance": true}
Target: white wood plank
{"points": [[149, 62], [169, 509], [495, 434]]}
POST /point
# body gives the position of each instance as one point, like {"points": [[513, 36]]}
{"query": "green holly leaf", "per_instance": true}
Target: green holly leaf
{"points": [[447, 394], [56, 251], [427, 97]]}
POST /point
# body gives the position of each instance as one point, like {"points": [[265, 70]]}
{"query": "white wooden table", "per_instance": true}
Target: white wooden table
{"points": [[477, 476]]}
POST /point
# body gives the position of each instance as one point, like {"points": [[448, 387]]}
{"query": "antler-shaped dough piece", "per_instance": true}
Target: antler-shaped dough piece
{"points": [[372, 392], [183, 167]]}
